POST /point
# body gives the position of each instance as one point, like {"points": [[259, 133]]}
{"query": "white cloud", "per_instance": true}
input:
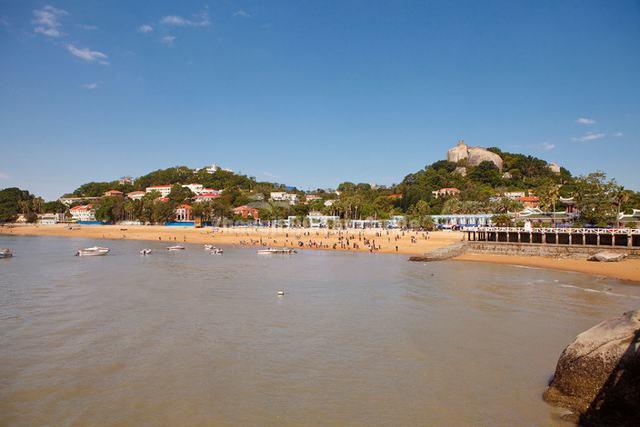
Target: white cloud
{"points": [[88, 55], [199, 20], [590, 136], [242, 14], [47, 21], [87, 27], [585, 121], [618, 134], [168, 40], [547, 146], [90, 85], [4, 175], [145, 28]]}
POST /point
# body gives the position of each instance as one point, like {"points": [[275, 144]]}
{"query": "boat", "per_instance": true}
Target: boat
{"points": [[216, 251], [209, 247], [175, 248], [6, 253], [146, 251], [92, 251], [268, 251]]}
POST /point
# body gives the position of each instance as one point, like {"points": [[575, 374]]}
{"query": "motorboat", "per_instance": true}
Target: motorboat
{"points": [[269, 251], [92, 251], [216, 251], [208, 247], [176, 248], [6, 253], [146, 251]]}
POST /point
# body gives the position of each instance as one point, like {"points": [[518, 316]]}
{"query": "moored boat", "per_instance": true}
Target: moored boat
{"points": [[6, 253], [175, 248], [285, 251], [92, 251], [216, 251], [146, 251]]}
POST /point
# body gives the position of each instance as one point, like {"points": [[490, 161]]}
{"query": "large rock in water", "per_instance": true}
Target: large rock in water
{"points": [[598, 375], [474, 155]]}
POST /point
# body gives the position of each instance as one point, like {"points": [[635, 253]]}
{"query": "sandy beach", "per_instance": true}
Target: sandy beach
{"points": [[370, 240]]}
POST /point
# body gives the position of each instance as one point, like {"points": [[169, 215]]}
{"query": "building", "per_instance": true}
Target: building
{"points": [[125, 180], [329, 202], [463, 220], [630, 218], [195, 188], [50, 218], [207, 197], [246, 212], [164, 190], [136, 195], [113, 193], [281, 196], [447, 191], [529, 201], [317, 220], [395, 196], [513, 195], [311, 197], [83, 213], [68, 201], [183, 213]]}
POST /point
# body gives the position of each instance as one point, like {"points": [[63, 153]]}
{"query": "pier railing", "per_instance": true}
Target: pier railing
{"points": [[612, 237]]}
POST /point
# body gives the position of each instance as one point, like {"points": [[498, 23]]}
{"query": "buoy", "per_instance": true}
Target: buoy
{"points": [[280, 293]]}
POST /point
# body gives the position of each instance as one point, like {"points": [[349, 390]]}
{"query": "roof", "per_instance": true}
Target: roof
{"points": [[135, 192], [184, 206], [113, 192], [161, 186], [449, 189], [81, 207], [529, 199], [395, 196]]}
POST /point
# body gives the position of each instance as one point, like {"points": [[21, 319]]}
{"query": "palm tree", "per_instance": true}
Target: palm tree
{"points": [[621, 197]]}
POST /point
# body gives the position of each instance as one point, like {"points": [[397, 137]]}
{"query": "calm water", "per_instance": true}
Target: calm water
{"points": [[189, 338]]}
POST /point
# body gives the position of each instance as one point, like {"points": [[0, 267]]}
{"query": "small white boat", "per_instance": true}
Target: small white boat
{"points": [[146, 251], [216, 251], [269, 251], [6, 253], [175, 248], [280, 293], [208, 247], [92, 251]]}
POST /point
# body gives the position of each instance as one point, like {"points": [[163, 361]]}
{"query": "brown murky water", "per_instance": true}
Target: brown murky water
{"points": [[194, 339]]}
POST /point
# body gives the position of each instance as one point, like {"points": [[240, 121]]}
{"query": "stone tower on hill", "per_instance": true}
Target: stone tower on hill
{"points": [[473, 155]]}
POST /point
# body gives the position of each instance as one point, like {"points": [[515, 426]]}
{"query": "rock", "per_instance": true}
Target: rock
{"points": [[440, 254], [461, 170], [554, 167], [473, 155], [598, 375], [607, 257]]}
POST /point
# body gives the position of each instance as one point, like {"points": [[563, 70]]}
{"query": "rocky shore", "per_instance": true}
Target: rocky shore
{"points": [[598, 376]]}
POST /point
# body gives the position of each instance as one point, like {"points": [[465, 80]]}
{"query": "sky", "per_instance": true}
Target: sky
{"points": [[312, 93]]}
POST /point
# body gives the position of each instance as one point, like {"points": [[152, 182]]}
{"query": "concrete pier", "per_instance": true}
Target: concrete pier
{"points": [[598, 237]]}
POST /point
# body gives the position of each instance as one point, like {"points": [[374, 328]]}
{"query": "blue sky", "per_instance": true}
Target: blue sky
{"points": [[312, 93]]}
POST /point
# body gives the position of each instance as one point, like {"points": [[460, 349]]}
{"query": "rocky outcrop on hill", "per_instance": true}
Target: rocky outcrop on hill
{"points": [[598, 375], [473, 155], [554, 167], [461, 170]]}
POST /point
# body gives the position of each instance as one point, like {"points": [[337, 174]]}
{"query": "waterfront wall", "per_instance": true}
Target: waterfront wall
{"points": [[533, 249]]}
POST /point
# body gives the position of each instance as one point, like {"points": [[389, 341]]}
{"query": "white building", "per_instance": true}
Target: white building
{"points": [[136, 195], [195, 188], [281, 196], [83, 213], [125, 180], [50, 218], [312, 197], [164, 190], [329, 202]]}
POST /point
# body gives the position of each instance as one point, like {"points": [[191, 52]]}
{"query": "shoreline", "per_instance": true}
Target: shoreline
{"points": [[368, 240]]}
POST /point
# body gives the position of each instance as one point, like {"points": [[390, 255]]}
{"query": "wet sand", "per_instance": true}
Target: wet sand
{"points": [[408, 243]]}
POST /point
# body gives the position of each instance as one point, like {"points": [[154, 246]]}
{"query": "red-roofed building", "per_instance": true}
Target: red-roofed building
{"points": [[396, 196], [206, 197], [246, 212], [83, 213], [136, 195], [112, 193], [164, 190], [530, 201]]}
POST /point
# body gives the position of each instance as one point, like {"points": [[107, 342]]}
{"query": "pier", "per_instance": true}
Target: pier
{"points": [[593, 237]]}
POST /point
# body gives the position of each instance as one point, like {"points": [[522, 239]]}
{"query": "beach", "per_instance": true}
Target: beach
{"points": [[368, 240]]}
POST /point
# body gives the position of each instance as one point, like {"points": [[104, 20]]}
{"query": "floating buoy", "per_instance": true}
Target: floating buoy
{"points": [[280, 293]]}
